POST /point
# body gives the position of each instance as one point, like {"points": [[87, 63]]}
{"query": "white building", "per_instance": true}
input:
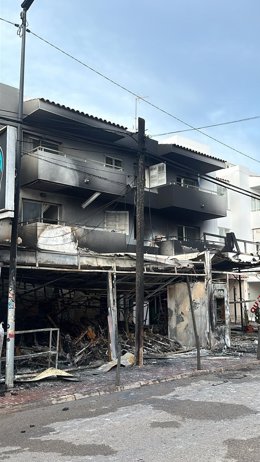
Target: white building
{"points": [[243, 218]]}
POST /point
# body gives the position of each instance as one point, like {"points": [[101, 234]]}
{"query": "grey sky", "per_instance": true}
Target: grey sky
{"points": [[197, 59]]}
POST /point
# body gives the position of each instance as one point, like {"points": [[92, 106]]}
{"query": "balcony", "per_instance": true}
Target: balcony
{"points": [[54, 171], [67, 239], [189, 200]]}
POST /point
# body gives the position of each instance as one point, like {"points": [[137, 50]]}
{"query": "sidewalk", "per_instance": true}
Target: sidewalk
{"points": [[154, 371]]}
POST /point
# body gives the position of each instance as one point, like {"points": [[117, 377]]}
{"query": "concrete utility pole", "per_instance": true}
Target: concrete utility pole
{"points": [[10, 337], [139, 318]]}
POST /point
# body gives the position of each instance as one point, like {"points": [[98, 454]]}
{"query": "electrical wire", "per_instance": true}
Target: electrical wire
{"points": [[185, 168], [211, 179], [142, 98], [64, 164], [220, 124], [114, 202], [149, 103], [61, 122], [158, 158], [124, 88]]}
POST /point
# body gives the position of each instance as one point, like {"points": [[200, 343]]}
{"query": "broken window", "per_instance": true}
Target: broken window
{"points": [[186, 233], [220, 310], [40, 212]]}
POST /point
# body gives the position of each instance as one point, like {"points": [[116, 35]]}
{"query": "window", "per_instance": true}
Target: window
{"points": [[255, 204], [187, 182], [40, 211], [113, 163], [117, 221], [45, 145], [186, 233]]}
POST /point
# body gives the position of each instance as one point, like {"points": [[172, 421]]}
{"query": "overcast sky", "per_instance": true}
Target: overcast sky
{"points": [[196, 59]]}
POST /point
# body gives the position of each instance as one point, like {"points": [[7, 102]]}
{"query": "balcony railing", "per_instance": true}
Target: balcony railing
{"points": [[215, 192]]}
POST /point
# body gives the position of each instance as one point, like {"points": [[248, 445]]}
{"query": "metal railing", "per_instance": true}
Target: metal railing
{"points": [[221, 240], [53, 346]]}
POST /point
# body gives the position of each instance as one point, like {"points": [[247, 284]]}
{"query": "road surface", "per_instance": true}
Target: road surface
{"points": [[212, 418]]}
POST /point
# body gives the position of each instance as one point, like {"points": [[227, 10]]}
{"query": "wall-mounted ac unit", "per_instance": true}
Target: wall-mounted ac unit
{"points": [[155, 175]]}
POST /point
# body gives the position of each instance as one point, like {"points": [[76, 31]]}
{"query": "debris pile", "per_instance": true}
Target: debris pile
{"points": [[84, 346], [156, 344], [242, 343], [89, 346]]}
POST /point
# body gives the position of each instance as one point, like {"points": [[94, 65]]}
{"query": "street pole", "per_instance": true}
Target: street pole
{"points": [[139, 318], [10, 335]]}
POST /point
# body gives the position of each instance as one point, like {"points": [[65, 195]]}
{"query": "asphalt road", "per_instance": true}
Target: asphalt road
{"points": [[211, 418]]}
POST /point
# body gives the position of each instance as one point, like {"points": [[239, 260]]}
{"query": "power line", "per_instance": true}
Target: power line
{"points": [[63, 163], [238, 151], [151, 104], [141, 98], [10, 22], [220, 124], [185, 168], [114, 202], [218, 182], [74, 168]]}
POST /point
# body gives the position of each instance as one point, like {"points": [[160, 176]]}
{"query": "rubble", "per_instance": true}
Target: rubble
{"points": [[90, 349], [91, 346]]}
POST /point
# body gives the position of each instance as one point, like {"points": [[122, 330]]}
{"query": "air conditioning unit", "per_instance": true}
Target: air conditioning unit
{"points": [[155, 175]]}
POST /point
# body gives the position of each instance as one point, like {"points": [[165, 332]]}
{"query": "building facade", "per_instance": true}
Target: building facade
{"points": [[77, 214], [78, 184]]}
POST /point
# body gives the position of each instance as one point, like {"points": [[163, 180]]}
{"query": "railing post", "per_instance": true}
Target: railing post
{"points": [[57, 348], [50, 345]]}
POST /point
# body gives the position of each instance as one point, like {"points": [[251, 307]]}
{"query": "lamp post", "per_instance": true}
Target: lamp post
{"points": [[10, 337]]}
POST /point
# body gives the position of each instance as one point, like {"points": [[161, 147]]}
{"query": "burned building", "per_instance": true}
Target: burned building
{"points": [[77, 217]]}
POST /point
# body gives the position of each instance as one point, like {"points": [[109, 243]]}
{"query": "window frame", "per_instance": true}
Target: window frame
{"points": [[41, 218], [184, 233], [113, 164], [44, 144]]}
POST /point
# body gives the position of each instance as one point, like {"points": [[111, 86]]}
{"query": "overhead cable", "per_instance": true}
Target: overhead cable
{"points": [[124, 88]]}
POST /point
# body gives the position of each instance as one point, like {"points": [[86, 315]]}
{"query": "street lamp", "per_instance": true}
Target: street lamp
{"points": [[26, 4], [10, 335]]}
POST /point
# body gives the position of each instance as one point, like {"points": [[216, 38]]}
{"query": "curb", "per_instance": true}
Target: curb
{"points": [[131, 386], [142, 383]]}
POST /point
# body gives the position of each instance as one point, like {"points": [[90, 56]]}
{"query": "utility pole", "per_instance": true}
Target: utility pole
{"points": [[10, 336], [139, 318]]}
